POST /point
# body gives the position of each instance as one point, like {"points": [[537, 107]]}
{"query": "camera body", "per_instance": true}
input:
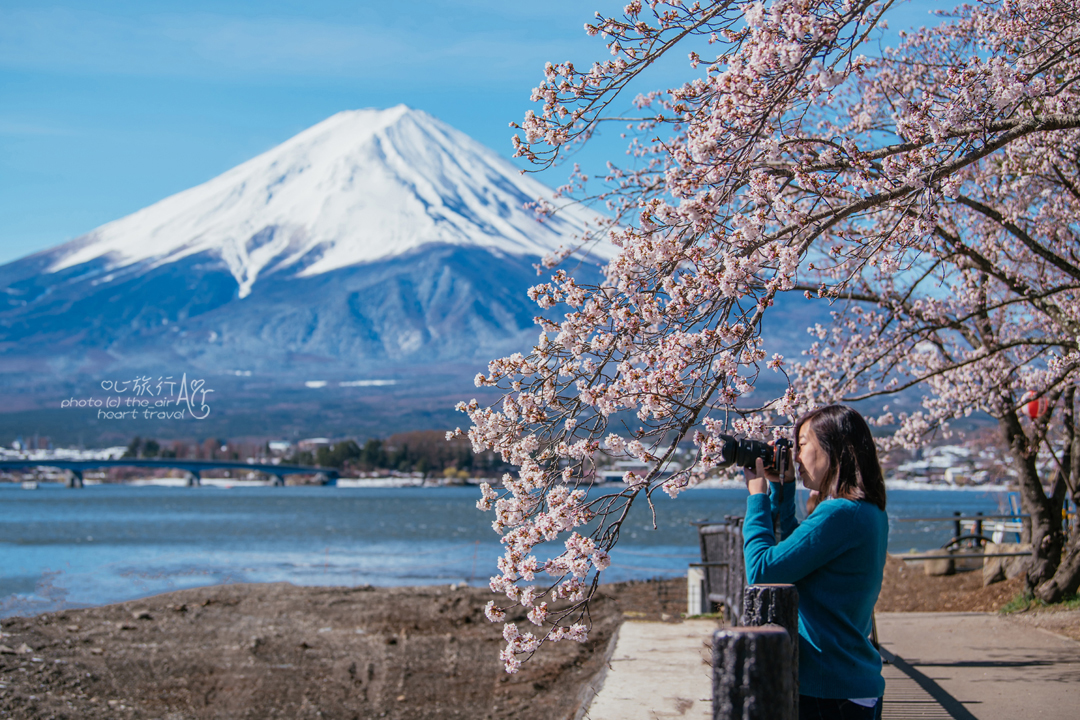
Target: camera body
{"points": [[745, 452]]}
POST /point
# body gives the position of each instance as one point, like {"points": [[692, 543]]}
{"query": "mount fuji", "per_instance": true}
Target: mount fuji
{"points": [[351, 280], [375, 239]]}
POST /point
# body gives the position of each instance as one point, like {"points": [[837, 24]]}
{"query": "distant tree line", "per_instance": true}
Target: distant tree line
{"points": [[421, 451], [210, 449]]}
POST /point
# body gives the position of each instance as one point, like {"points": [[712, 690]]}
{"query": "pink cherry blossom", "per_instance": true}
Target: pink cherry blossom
{"points": [[927, 195]]}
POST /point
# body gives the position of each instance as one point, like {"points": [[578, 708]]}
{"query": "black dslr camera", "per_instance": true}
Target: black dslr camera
{"points": [[745, 452]]}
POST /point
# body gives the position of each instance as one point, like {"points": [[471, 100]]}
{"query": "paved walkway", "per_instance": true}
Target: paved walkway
{"points": [[976, 666], [963, 666], [658, 671]]}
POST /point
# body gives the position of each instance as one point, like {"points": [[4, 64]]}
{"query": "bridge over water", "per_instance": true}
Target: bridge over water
{"points": [[194, 468]]}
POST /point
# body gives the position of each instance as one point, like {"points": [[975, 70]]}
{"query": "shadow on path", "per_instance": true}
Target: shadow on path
{"points": [[948, 703]]}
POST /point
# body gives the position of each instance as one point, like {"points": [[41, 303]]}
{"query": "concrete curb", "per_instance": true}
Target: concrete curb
{"points": [[585, 697]]}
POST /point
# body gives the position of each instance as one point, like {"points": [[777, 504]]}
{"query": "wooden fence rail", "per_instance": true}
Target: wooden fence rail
{"points": [[722, 565]]}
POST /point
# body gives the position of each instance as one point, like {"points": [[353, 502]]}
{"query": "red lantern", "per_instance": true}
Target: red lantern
{"points": [[1037, 408]]}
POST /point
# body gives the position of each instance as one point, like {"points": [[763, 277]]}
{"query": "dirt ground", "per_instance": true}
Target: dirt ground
{"points": [[280, 651], [905, 588]]}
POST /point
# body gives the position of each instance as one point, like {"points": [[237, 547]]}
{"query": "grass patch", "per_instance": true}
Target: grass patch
{"points": [[1070, 602], [1020, 603], [1024, 602]]}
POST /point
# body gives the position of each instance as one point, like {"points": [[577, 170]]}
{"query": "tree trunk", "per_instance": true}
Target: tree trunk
{"points": [[1067, 578], [1046, 537]]}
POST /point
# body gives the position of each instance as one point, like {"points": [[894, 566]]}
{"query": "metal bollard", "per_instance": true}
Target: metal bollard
{"points": [[776, 605], [752, 674]]}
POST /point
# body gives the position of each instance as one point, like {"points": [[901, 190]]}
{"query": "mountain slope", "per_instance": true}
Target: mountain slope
{"points": [[360, 186]]}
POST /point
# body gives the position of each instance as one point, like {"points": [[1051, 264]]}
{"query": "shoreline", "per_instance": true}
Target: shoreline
{"points": [[114, 543], [420, 484]]}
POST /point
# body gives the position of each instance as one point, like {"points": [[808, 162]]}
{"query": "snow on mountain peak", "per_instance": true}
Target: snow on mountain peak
{"points": [[359, 186]]}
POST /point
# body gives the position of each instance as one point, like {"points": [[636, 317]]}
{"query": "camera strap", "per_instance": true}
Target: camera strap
{"points": [[777, 530], [782, 461]]}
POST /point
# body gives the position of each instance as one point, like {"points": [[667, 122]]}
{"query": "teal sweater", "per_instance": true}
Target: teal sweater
{"points": [[835, 558]]}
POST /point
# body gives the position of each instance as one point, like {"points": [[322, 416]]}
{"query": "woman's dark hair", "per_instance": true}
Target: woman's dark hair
{"points": [[854, 470]]}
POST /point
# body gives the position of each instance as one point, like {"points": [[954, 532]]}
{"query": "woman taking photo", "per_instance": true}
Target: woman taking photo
{"points": [[835, 558]]}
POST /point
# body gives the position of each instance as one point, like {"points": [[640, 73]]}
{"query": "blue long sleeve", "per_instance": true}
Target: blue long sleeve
{"points": [[835, 558], [782, 499], [806, 546]]}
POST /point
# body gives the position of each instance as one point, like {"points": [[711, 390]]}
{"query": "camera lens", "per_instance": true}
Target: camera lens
{"points": [[745, 452]]}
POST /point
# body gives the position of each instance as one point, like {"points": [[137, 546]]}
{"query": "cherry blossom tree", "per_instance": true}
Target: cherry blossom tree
{"points": [[983, 316], [929, 192]]}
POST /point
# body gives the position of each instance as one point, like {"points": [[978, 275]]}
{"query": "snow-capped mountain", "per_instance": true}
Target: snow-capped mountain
{"points": [[360, 186], [375, 237]]}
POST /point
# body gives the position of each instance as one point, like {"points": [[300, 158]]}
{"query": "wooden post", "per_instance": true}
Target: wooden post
{"points": [[776, 605], [752, 674]]}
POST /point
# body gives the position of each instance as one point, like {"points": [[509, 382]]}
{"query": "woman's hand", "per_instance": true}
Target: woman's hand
{"points": [[757, 480]]}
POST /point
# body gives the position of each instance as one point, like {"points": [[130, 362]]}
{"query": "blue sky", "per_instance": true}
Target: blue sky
{"points": [[108, 106]]}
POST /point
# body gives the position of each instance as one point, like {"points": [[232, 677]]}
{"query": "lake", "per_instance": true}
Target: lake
{"points": [[109, 543]]}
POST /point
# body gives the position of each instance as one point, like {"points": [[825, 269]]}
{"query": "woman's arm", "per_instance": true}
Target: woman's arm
{"points": [[820, 538], [781, 494]]}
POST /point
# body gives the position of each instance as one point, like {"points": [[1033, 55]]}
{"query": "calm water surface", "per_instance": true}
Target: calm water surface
{"points": [[101, 544]]}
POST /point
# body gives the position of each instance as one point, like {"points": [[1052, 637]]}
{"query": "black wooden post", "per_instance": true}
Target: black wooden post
{"points": [[957, 531], [752, 674], [776, 605]]}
